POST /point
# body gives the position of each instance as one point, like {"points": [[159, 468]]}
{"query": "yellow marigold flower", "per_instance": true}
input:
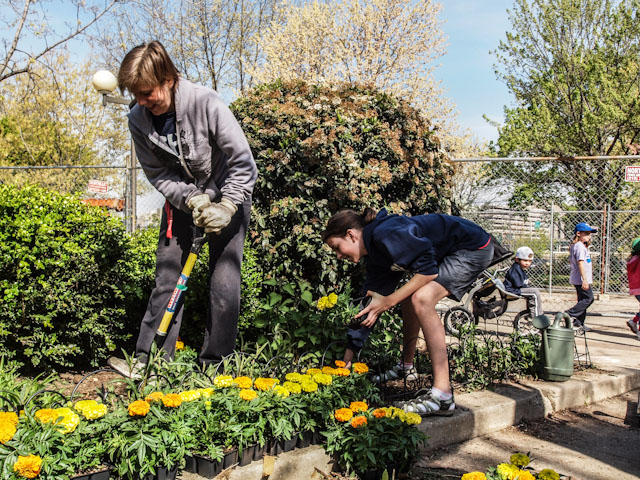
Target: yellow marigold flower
{"points": [[342, 372], [179, 345], [332, 299], [292, 377], [305, 378], [46, 415], [360, 367], [394, 412], [322, 378], [171, 400], [343, 414], [189, 395], [322, 303], [92, 411], [154, 397], [520, 459], [358, 406], [340, 364], [359, 421], [313, 371], [411, 418], [265, 384], [280, 390], [548, 474], [139, 408], [243, 382], [28, 467], [329, 370], [7, 431], [309, 386], [223, 381], [64, 417], [379, 413], [506, 471], [474, 476], [524, 475], [292, 387], [205, 392], [247, 394], [9, 417]]}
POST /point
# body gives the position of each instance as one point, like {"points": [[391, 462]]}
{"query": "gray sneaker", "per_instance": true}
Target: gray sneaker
{"points": [[121, 366], [397, 372], [428, 404]]}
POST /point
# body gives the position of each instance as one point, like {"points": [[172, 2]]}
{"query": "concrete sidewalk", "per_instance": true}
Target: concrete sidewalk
{"points": [[615, 354]]}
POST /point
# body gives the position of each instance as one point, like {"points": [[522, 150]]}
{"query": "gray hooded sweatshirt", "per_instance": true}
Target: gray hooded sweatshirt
{"points": [[214, 148]]}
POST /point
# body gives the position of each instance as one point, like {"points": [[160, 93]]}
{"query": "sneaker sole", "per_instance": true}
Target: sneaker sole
{"points": [[635, 332]]}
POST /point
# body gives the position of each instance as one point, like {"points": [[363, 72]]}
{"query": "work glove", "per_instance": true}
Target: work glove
{"points": [[197, 204], [216, 216]]}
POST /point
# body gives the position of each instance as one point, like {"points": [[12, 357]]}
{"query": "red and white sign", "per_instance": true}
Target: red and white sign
{"points": [[632, 173], [99, 186]]}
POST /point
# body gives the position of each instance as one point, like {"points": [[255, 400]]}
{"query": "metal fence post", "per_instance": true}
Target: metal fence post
{"points": [[551, 251], [608, 251]]}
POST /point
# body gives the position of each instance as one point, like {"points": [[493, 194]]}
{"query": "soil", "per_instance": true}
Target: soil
{"points": [[87, 385]]}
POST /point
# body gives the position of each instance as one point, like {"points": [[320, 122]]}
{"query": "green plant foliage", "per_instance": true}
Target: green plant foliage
{"points": [[323, 148], [70, 280]]}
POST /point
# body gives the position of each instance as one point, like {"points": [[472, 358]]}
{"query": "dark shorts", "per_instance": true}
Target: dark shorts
{"points": [[457, 271]]}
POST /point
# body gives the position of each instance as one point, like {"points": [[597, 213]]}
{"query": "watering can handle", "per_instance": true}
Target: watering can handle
{"points": [[559, 317]]}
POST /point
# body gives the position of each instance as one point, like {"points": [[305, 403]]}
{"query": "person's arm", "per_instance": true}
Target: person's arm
{"points": [[583, 274], [380, 303]]}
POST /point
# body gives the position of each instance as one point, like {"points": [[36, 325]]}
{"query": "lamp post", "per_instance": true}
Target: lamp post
{"points": [[105, 83]]}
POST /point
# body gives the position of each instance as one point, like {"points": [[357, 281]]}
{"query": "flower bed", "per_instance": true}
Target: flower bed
{"points": [[218, 422]]}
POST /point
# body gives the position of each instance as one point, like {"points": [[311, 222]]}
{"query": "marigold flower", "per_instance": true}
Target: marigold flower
{"points": [[9, 417], [359, 421], [154, 397], [322, 378], [46, 415], [309, 387], [243, 382], [394, 412], [282, 391], [7, 431], [305, 378], [139, 408], [313, 371], [247, 394], [340, 364], [379, 413], [64, 417], [474, 476], [411, 418], [189, 395], [94, 412], [28, 467], [292, 387], [265, 384], [179, 345], [506, 471], [329, 370], [548, 474], [322, 303], [171, 400], [524, 475], [332, 299], [358, 406], [343, 414], [223, 381], [342, 372], [520, 459], [292, 377], [360, 368]]}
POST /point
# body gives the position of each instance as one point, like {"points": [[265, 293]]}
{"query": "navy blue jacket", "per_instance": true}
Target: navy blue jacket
{"points": [[515, 279]]}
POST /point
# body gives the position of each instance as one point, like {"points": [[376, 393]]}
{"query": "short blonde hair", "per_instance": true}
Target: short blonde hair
{"points": [[146, 66]]}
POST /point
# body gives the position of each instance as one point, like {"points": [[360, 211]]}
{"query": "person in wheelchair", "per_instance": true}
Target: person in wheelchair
{"points": [[516, 280]]}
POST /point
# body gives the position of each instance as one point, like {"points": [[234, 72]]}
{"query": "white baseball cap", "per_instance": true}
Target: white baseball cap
{"points": [[524, 253]]}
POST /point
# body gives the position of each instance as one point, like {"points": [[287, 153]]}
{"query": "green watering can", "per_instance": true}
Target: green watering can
{"points": [[557, 347]]}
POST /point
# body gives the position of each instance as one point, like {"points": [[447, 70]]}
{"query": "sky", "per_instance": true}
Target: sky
{"points": [[473, 28]]}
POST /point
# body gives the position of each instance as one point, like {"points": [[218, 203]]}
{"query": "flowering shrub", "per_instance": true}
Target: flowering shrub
{"points": [[518, 468]]}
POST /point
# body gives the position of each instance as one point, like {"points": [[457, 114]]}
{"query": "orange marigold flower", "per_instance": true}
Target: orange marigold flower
{"points": [[171, 400], [340, 363], [243, 382], [265, 384], [379, 413], [360, 367], [248, 395], [154, 397], [7, 431], [359, 421], [28, 467], [139, 408], [343, 414], [342, 372], [313, 371], [329, 370], [358, 406]]}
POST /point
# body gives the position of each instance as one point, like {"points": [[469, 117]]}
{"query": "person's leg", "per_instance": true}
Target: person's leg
{"points": [[535, 293], [579, 310], [225, 259]]}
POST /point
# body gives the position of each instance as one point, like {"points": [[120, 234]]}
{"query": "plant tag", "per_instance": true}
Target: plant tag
{"points": [[268, 462]]}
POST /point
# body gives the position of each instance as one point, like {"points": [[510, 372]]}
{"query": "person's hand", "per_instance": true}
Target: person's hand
{"points": [[377, 305], [216, 216], [585, 286], [197, 204]]}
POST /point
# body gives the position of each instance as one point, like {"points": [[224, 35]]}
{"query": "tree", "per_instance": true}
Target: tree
{"points": [[573, 68]]}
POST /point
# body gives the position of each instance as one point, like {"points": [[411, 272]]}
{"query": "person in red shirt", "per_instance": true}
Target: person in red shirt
{"points": [[633, 274]]}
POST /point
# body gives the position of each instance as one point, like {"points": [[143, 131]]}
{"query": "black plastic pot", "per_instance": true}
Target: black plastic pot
{"points": [[230, 458], [304, 439], [316, 438], [248, 453], [163, 473], [370, 474], [190, 464], [275, 447], [206, 467], [288, 445], [104, 474], [259, 452]]}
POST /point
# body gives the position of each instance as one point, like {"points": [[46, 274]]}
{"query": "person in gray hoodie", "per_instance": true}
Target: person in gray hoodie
{"points": [[193, 151]]}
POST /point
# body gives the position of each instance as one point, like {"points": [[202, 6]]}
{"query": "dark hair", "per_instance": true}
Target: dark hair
{"points": [[343, 220], [147, 65]]}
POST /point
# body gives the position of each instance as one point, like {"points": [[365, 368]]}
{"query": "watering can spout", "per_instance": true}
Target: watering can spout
{"points": [[541, 322]]}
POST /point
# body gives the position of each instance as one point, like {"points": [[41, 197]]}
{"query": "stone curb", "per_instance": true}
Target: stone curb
{"points": [[477, 414]]}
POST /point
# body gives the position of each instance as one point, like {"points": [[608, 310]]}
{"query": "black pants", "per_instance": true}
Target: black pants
{"points": [[585, 299], [225, 258]]}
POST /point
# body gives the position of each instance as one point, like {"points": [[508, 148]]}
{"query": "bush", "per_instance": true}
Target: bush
{"points": [[71, 280], [320, 149]]}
